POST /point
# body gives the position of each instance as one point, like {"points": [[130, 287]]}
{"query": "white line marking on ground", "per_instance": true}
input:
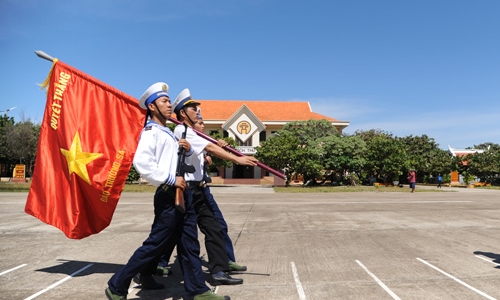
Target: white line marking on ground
{"points": [[58, 283], [300, 290], [10, 270], [457, 280], [483, 258], [393, 295]]}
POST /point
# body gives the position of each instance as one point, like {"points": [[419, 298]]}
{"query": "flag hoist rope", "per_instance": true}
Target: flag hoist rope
{"points": [[44, 55]]}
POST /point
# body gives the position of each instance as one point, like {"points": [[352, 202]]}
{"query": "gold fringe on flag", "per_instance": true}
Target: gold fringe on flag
{"points": [[45, 84]]}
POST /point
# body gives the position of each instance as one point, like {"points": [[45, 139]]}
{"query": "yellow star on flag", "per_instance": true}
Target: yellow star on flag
{"points": [[77, 159]]}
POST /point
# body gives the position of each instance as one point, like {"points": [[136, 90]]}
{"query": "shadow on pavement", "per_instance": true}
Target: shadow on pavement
{"points": [[494, 256], [174, 288]]}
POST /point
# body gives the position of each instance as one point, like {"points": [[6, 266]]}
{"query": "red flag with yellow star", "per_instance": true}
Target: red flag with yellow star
{"points": [[88, 139]]}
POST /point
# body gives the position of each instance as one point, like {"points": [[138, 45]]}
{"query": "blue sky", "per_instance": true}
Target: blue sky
{"points": [[406, 67]]}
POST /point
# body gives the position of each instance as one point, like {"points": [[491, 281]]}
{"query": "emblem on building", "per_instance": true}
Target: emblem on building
{"points": [[244, 127]]}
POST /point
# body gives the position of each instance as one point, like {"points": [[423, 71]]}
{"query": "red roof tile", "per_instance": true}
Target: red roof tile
{"points": [[264, 110]]}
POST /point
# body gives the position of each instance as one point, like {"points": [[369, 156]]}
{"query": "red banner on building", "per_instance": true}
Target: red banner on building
{"points": [[88, 139]]}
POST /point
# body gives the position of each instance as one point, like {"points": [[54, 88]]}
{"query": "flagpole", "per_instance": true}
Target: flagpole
{"points": [[44, 55]]}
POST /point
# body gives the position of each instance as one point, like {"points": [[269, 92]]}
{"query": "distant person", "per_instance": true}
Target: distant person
{"points": [[440, 180], [412, 178]]}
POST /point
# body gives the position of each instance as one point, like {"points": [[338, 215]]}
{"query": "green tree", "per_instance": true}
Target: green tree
{"points": [[281, 152], [342, 154], [424, 155], [297, 148], [441, 162], [6, 123], [22, 139], [385, 155], [484, 165]]}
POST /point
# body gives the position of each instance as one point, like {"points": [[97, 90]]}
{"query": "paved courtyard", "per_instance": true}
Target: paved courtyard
{"points": [[432, 245]]}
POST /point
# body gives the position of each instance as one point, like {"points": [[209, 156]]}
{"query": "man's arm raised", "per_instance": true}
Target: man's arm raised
{"points": [[239, 160]]}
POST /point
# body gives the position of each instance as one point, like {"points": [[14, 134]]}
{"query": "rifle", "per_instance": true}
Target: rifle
{"points": [[182, 168]]}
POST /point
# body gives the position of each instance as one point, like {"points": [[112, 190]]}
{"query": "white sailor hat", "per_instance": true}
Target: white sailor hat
{"points": [[182, 100], [154, 92]]}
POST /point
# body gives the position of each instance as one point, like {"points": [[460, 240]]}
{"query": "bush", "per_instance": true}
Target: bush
{"points": [[446, 178], [133, 175], [468, 178]]}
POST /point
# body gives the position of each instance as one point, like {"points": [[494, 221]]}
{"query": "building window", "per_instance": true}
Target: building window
{"points": [[225, 134], [213, 132], [262, 136]]}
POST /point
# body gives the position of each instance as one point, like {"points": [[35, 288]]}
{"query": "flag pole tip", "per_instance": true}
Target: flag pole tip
{"points": [[43, 55]]}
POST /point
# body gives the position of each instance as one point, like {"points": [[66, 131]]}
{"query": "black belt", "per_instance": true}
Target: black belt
{"points": [[165, 187], [195, 183]]}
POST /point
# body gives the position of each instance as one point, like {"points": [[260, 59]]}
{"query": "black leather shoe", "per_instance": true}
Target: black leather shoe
{"points": [[225, 280], [148, 282]]}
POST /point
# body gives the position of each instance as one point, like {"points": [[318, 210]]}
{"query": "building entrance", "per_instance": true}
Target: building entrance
{"points": [[243, 171]]}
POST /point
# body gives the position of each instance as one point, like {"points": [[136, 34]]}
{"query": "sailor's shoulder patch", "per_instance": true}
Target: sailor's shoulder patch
{"points": [[148, 128]]}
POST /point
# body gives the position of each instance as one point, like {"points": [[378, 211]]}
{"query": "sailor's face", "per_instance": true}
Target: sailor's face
{"points": [[164, 105], [199, 125], [192, 113]]}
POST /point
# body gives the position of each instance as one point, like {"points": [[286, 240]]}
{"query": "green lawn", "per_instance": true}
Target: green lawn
{"points": [[14, 187]]}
